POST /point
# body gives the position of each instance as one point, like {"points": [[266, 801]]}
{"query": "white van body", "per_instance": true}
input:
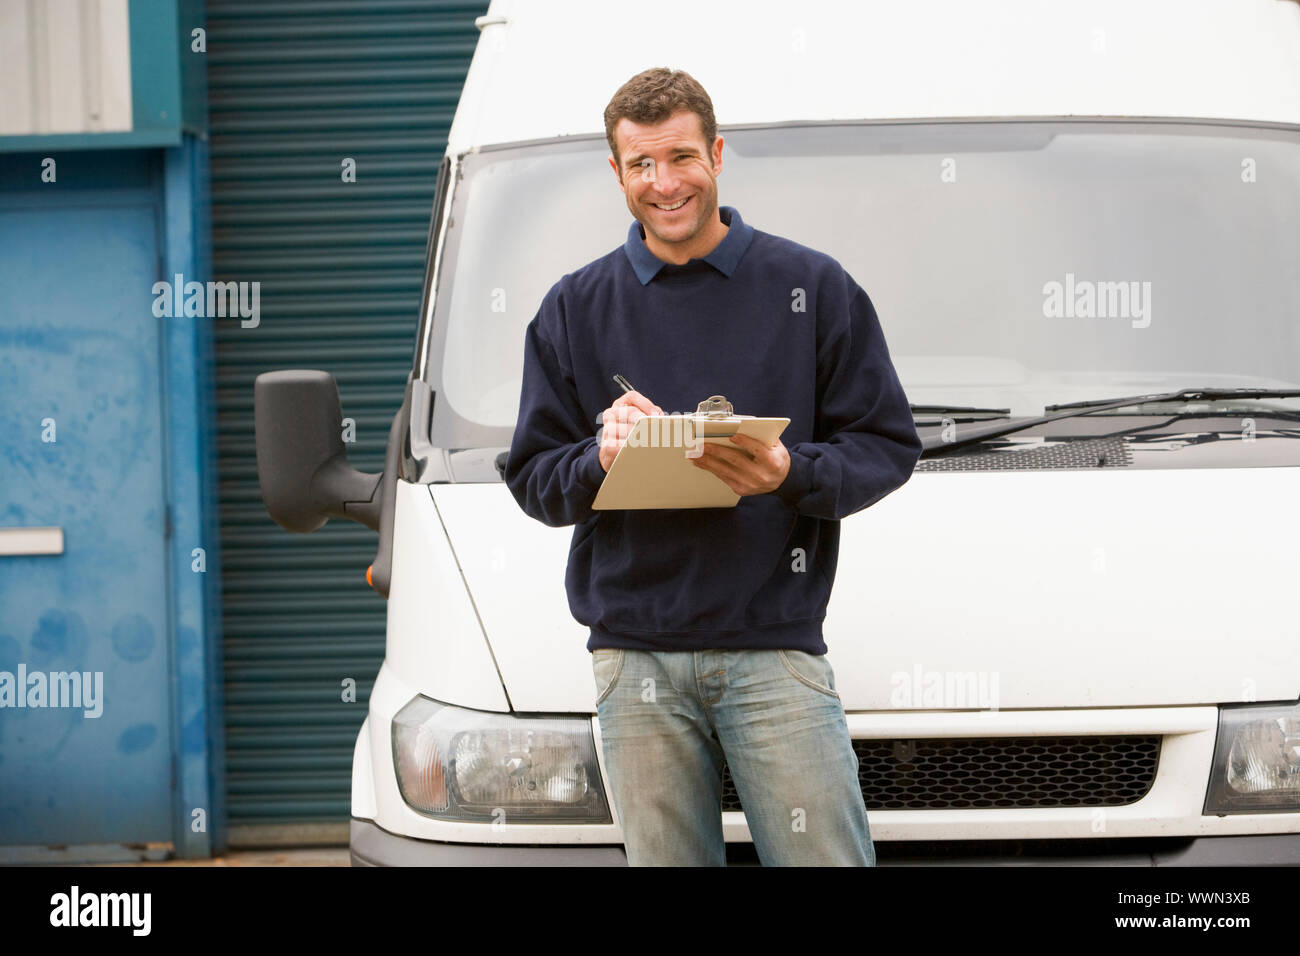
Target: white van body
{"points": [[1071, 602]]}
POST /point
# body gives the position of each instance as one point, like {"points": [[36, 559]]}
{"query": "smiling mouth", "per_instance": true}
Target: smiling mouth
{"points": [[673, 207]]}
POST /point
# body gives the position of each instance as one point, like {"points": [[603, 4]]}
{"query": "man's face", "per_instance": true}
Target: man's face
{"points": [[663, 164]]}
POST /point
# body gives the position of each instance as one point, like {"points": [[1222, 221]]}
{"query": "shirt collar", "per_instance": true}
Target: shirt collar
{"points": [[725, 256]]}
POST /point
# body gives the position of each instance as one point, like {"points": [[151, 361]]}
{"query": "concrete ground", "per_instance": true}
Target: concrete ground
{"points": [[311, 856]]}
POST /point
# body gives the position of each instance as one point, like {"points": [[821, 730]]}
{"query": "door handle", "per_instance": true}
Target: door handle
{"points": [[23, 541]]}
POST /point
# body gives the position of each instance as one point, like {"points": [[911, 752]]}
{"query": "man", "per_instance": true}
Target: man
{"points": [[706, 624]]}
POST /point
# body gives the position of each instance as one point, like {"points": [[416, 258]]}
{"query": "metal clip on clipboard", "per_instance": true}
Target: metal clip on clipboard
{"points": [[718, 414], [716, 406]]}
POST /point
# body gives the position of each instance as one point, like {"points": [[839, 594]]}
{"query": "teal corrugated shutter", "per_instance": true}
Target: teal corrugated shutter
{"points": [[297, 88]]}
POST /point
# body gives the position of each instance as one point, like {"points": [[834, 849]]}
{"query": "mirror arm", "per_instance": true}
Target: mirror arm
{"points": [[344, 492]]}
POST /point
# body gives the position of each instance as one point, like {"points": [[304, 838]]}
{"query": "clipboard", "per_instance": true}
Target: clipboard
{"points": [[653, 469]]}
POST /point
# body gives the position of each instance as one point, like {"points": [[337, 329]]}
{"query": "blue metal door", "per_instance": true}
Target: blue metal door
{"points": [[81, 450]]}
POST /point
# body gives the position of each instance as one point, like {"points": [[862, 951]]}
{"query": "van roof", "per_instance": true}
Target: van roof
{"points": [[546, 68]]}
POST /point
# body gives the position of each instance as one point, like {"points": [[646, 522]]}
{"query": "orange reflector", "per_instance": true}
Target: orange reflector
{"points": [[368, 581]]}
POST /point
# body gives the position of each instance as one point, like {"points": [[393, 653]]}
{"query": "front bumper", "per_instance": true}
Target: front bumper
{"points": [[371, 845]]}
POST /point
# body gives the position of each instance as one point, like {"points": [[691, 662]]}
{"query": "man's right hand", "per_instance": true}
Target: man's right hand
{"points": [[618, 420]]}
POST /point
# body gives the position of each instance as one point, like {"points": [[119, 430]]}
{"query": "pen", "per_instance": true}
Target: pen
{"points": [[626, 386]]}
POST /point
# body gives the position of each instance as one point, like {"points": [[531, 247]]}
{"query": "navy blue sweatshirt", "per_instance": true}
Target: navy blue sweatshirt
{"points": [[779, 329]]}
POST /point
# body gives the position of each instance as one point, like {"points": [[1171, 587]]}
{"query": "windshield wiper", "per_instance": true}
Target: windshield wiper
{"points": [[1074, 409], [1186, 395], [959, 413], [941, 409]]}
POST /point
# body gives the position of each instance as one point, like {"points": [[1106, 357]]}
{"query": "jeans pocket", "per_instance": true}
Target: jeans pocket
{"points": [[606, 665], [811, 669]]}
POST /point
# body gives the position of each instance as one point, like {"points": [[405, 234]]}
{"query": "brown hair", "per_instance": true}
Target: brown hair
{"points": [[654, 95]]}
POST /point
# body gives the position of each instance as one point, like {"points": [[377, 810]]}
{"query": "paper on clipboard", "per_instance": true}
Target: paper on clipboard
{"points": [[654, 469]]}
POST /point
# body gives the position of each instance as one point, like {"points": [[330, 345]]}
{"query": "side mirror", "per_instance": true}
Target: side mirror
{"points": [[302, 463]]}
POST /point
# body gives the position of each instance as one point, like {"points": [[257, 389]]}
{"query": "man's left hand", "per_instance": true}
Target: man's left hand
{"points": [[746, 465]]}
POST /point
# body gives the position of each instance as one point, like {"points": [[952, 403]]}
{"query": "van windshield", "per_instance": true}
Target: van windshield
{"points": [[1012, 264]]}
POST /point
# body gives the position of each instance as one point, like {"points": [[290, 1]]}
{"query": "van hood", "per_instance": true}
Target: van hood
{"points": [[958, 591]]}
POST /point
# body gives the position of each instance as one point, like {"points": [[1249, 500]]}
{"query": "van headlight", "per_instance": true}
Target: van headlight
{"points": [[482, 767], [1256, 760]]}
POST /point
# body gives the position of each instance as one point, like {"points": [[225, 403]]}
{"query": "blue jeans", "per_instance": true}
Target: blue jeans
{"points": [[668, 719]]}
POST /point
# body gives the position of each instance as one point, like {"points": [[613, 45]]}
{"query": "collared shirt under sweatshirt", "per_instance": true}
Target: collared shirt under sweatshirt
{"points": [[779, 329]]}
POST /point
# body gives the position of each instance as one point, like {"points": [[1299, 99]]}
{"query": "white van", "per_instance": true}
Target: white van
{"points": [[1072, 635]]}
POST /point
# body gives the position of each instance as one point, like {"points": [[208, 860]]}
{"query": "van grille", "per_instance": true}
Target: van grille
{"points": [[949, 773], [1076, 454]]}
